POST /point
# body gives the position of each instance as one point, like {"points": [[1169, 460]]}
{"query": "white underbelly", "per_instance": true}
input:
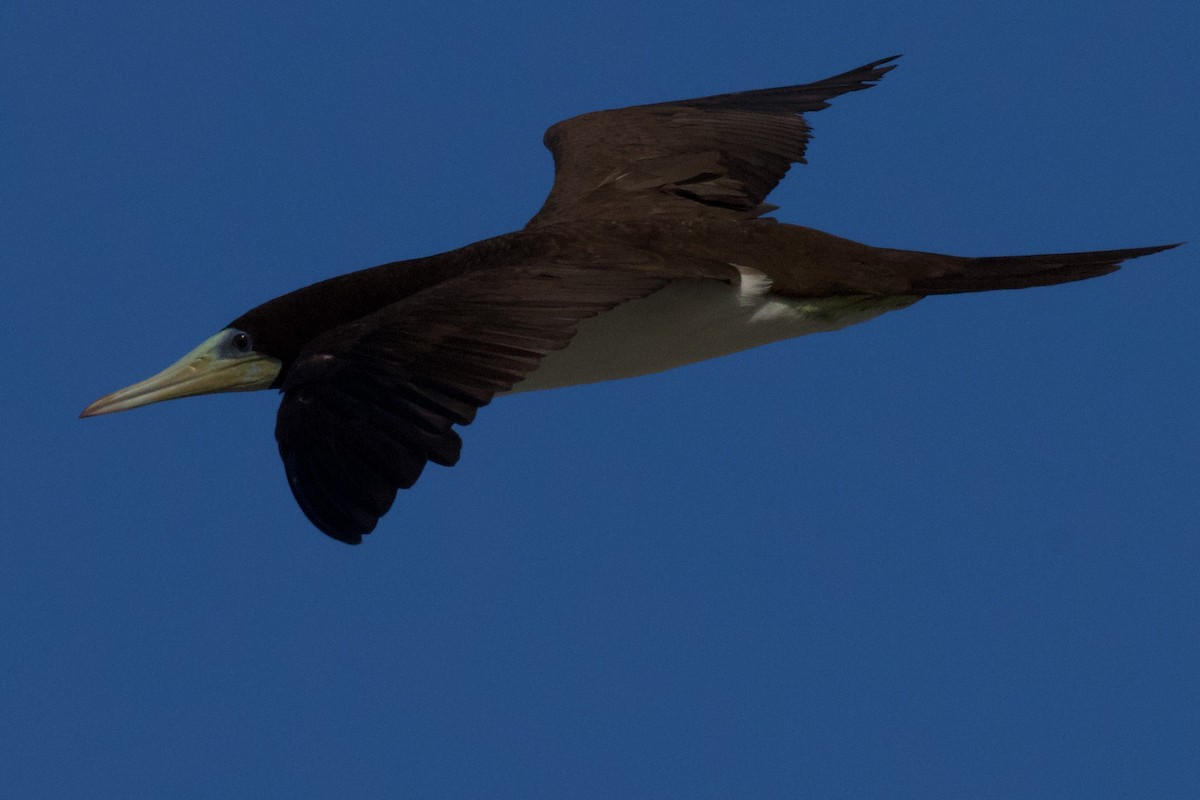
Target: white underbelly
{"points": [[694, 320]]}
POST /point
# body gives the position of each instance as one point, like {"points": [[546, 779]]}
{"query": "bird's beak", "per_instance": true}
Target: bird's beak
{"points": [[210, 368]]}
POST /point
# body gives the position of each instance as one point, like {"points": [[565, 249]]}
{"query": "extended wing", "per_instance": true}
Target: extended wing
{"points": [[717, 156], [366, 405]]}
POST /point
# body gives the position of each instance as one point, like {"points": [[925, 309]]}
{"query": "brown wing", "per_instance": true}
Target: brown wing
{"points": [[717, 156], [365, 406]]}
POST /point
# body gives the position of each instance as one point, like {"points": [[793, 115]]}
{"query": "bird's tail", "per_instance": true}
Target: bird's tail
{"points": [[1019, 272]]}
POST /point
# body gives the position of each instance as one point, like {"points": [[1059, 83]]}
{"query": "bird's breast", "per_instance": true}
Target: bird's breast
{"points": [[695, 320]]}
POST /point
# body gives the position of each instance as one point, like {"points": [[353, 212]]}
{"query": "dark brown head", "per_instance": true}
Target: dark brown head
{"points": [[256, 350]]}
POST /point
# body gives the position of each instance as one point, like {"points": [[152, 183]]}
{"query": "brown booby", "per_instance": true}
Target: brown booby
{"points": [[651, 251]]}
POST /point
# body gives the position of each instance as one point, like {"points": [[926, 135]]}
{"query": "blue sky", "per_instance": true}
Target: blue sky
{"points": [[949, 553]]}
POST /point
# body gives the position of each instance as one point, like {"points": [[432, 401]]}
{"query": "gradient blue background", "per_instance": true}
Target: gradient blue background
{"points": [[952, 553]]}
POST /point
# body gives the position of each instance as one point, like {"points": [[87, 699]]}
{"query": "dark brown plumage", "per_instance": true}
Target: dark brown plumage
{"points": [[712, 157], [656, 201]]}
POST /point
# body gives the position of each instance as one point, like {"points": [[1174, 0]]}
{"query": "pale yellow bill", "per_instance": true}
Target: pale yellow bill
{"points": [[212, 367]]}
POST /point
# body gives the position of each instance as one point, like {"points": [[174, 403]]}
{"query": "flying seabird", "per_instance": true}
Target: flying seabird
{"points": [[652, 251]]}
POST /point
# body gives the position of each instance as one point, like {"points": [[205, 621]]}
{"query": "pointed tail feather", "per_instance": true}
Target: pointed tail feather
{"points": [[1019, 272]]}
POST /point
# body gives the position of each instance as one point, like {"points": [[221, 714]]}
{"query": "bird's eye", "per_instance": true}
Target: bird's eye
{"points": [[241, 342]]}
